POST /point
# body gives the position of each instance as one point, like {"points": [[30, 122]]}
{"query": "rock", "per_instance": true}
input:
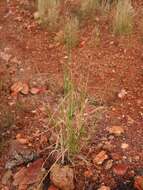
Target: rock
{"points": [[108, 164], [7, 176], [52, 187], [5, 56], [22, 141], [31, 175], [16, 87], [124, 145], [62, 177], [122, 93], [36, 15], [138, 184], [136, 158], [35, 91], [19, 154], [116, 130], [130, 120], [104, 188], [100, 158], [88, 173], [120, 169], [19, 87], [25, 89]]}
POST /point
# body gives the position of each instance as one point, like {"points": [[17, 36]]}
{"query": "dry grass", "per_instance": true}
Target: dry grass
{"points": [[88, 6], [123, 20], [48, 12], [71, 33], [70, 123]]}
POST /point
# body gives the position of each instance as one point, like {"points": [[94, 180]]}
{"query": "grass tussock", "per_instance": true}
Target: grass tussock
{"points": [[48, 12], [123, 20], [70, 123], [71, 33]]}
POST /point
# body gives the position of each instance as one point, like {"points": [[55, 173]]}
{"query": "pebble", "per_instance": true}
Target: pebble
{"points": [[138, 184], [116, 130], [108, 164], [124, 145], [120, 169], [100, 157]]}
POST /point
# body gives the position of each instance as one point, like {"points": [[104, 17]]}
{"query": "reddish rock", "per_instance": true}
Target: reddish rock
{"points": [[25, 89], [120, 169], [116, 130], [16, 87], [100, 158], [35, 91], [138, 184], [88, 173], [62, 177]]}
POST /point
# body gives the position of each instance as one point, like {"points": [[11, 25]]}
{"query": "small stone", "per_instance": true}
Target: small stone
{"points": [[136, 158], [124, 145], [138, 184], [122, 93], [25, 89], [62, 177], [116, 130], [19, 154], [35, 91], [36, 15], [130, 120], [111, 137], [104, 188], [88, 173], [120, 169], [22, 140], [16, 87], [100, 158], [108, 164]]}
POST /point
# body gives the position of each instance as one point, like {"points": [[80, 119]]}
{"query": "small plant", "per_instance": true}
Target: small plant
{"points": [[70, 122], [71, 33], [123, 22]]}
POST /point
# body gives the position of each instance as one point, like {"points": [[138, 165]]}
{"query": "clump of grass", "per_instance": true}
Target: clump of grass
{"points": [[71, 33], [53, 12], [71, 39], [88, 6], [48, 12], [71, 123], [123, 21]]}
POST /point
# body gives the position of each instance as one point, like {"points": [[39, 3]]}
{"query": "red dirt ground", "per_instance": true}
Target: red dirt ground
{"points": [[114, 64]]}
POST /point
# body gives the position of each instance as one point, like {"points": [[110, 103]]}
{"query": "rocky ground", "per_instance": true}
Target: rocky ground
{"points": [[31, 70]]}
